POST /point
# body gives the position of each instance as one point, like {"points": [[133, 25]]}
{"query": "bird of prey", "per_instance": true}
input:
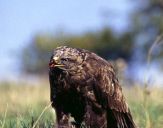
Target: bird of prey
{"points": [[84, 86]]}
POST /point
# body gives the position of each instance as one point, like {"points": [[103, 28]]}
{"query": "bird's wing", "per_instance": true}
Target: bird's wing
{"points": [[108, 93], [110, 89], [107, 90]]}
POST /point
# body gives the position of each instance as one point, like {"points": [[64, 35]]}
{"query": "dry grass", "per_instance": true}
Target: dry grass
{"points": [[147, 112], [26, 103]]}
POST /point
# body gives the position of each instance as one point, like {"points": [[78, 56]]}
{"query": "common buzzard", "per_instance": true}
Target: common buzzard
{"points": [[84, 86]]}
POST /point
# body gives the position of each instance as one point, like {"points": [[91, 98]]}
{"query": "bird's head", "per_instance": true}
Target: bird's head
{"points": [[66, 58]]}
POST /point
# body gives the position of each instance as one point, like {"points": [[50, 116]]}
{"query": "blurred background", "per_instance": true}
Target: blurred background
{"points": [[126, 32]]}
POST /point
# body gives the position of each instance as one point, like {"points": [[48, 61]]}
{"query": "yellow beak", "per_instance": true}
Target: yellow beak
{"points": [[54, 63]]}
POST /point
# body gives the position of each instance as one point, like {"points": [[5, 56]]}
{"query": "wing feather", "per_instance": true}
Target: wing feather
{"points": [[106, 84], [111, 89], [109, 94]]}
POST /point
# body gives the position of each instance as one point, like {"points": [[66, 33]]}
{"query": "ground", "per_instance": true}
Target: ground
{"points": [[27, 106]]}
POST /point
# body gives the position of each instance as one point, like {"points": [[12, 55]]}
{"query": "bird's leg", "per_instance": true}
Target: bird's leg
{"points": [[87, 118], [95, 116], [93, 119], [62, 120]]}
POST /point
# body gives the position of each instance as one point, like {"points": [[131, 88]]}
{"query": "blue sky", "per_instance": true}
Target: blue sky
{"points": [[20, 20]]}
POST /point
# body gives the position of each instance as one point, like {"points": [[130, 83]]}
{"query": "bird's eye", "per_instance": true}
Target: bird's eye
{"points": [[64, 59]]}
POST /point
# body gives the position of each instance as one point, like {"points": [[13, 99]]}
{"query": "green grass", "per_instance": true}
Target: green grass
{"points": [[21, 106]]}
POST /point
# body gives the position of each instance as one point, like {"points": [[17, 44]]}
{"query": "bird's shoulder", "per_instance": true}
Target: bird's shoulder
{"points": [[93, 61]]}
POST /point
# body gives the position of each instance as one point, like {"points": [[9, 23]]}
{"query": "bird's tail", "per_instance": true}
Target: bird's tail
{"points": [[117, 119]]}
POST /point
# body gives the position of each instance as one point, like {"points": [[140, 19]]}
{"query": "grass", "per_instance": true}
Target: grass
{"points": [[147, 112], [25, 105], [28, 106]]}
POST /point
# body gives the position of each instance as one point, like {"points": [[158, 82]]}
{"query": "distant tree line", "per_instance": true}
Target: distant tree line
{"points": [[36, 55]]}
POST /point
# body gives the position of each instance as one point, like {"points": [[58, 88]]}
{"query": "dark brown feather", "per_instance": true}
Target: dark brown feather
{"points": [[87, 89]]}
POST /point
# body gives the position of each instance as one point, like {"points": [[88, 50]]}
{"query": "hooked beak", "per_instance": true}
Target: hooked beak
{"points": [[54, 63]]}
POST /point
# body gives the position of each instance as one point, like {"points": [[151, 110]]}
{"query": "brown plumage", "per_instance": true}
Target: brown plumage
{"points": [[84, 86]]}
